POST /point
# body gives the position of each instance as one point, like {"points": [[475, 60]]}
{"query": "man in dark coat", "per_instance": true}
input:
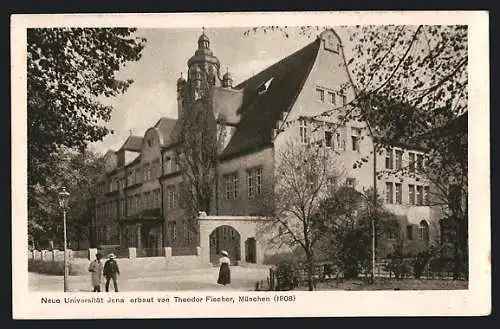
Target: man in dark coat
{"points": [[110, 271]]}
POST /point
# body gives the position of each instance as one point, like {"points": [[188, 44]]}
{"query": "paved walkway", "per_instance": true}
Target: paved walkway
{"points": [[242, 279]]}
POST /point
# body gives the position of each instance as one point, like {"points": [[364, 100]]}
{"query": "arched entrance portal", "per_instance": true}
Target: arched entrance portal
{"points": [[226, 238]]}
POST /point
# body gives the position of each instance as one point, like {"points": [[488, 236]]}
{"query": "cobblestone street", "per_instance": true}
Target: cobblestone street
{"points": [[242, 279]]}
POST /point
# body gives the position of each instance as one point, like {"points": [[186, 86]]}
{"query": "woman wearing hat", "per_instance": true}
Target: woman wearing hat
{"points": [[224, 271], [110, 271]]}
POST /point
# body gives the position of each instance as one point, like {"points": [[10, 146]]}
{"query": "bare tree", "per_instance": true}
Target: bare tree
{"points": [[304, 176]]}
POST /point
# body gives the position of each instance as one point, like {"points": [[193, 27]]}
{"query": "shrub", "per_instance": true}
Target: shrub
{"points": [[286, 275]]}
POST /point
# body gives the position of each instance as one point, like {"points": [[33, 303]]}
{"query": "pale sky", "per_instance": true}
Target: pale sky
{"points": [[153, 93]]}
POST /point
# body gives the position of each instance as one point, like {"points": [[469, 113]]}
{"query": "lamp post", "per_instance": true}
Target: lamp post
{"points": [[63, 203]]}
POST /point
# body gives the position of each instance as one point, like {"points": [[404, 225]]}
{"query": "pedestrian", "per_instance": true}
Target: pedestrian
{"points": [[95, 268], [224, 271], [110, 271]]}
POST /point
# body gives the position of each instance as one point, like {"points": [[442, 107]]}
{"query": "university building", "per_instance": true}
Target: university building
{"points": [[137, 202]]}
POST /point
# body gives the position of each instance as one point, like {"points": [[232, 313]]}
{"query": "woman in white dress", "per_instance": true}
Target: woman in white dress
{"points": [[224, 271]]}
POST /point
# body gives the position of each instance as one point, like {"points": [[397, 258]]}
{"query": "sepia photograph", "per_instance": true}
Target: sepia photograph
{"points": [[247, 161]]}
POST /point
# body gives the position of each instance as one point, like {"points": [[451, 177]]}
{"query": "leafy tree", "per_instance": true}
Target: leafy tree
{"points": [[345, 222], [68, 69], [78, 172]]}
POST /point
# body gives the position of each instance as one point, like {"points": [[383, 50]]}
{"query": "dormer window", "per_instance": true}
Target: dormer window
{"points": [[264, 87]]}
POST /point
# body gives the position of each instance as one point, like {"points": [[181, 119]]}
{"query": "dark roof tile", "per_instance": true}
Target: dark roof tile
{"points": [[259, 113]]}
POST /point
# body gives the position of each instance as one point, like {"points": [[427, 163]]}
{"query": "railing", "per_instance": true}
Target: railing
{"points": [[149, 252], [184, 251]]}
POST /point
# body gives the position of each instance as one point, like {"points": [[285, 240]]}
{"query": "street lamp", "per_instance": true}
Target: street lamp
{"points": [[63, 203]]}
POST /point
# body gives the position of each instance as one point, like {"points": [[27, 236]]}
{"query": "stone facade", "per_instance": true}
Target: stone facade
{"points": [[138, 205]]}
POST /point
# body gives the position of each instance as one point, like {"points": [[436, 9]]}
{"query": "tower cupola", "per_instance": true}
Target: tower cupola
{"points": [[227, 80]]}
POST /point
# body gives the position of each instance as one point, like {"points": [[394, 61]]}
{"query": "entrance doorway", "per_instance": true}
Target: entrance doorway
{"points": [[250, 250], [225, 238]]}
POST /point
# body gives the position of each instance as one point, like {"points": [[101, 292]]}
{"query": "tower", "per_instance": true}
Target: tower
{"points": [[203, 68]]}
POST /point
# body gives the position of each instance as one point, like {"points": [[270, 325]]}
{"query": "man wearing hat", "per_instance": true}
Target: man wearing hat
{"points": [[95, 269], [110, 271]]}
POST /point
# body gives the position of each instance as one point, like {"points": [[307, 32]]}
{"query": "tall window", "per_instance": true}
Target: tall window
{"points": [[328, 138], [399, 191], [231, 186], [356, 136], [304, 136], [411, 194], [388, 192], [423, 231], [388, 159], [146, 172], [420, 162], [339, 145], [426, 195], [185, 231], [409, 232], [392, 231], [173, 232], [321, 94], [171, 197], [254, 176], [138, 178], [331, 97], [167, 164], [420, 195], [411, 163], [399, 159]]}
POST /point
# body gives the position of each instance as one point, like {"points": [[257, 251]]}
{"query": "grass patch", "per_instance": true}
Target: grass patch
{"points": [[392, 284]]}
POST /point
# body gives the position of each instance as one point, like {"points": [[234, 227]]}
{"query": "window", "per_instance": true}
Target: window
{"points": [[399, 159], [409, 232], [157, 202], [167, 164], [328, 138], [339, 142], [304, 136], [420, 162], [426, 195], [411, 194], [321, 94], [420, 195], [254, 181], [147, 172], [138, 178], [171, 197], [356, 136], [392, 232], [343, 97], [411, 160], [231, 186], [423, 231], [388, 192], [350, 182], [331, 97], [185, 231], [388, 159], [173, 231], [399, 192], [150, 142]]}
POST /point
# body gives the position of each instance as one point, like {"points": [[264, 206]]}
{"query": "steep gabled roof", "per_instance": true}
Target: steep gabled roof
{"points": [[133, 143], [267, 95], [165, 126]]}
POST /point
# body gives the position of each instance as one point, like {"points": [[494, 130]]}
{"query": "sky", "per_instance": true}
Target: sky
{"points": [[165, 56]]}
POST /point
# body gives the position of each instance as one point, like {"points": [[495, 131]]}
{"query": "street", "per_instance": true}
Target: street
{"points": [[242, 279]]}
